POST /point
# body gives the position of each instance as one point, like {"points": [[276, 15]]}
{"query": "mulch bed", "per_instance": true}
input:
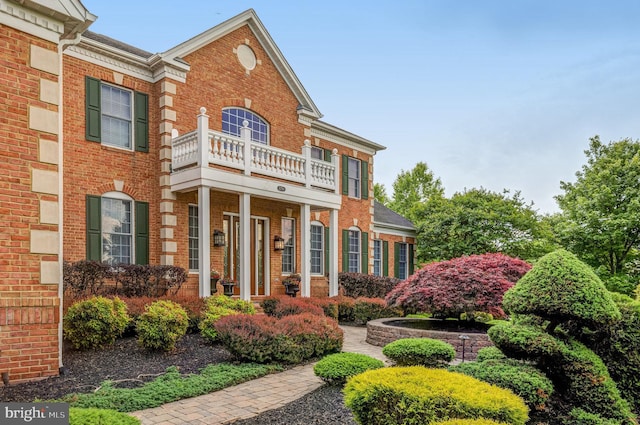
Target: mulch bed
{"points": [[124, 362]]}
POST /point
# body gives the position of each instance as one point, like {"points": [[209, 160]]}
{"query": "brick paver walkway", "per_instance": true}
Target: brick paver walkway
{"points": [[253, 397]]}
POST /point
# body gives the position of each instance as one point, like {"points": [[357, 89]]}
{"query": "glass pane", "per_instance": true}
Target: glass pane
{"points": [[116, 231], [232, 119], [116, 109]]}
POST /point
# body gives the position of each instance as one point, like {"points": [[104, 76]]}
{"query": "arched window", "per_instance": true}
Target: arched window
{"points": [[232, 119]]}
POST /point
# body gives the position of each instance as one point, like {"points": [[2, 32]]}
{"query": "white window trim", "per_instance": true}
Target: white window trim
{"points": [[322, 248], [192, 271], [123, 197], [268, 126], [406, 263], [131, 118], [359, 180], [379, 260], [359, 266], [293, 254]]}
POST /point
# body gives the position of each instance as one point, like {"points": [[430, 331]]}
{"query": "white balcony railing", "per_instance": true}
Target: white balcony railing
{"points": [[204, 147]]}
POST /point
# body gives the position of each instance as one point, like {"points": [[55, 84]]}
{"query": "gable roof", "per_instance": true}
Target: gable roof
{"points": [[72, 13], [387, 217], [250, 18], [117, 44]]}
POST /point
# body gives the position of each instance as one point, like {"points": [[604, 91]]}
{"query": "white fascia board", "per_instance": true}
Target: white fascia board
{"points": [[328, 132], [31, 22], [187, 180], [394, 230]]}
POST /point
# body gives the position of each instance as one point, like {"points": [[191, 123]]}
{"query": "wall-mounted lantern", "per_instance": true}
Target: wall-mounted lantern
{"points": [[218, 238], [278, 243]]}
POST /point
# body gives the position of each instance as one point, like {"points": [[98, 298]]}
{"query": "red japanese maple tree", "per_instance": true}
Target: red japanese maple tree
{"points": [[462, 285]]}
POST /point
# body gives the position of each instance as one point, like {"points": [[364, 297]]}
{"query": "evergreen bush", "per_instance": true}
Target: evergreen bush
{"points": [[79, 416], [161, 325], [366, 309], [95, 322], [336, 368], [420, 352]]}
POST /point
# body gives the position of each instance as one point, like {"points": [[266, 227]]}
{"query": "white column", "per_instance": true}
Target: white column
{"points": [[333, 252], [335, 161], [204, 241], [306, 152], [245, 135], [305, 250], [203, 138], [245, 247]]}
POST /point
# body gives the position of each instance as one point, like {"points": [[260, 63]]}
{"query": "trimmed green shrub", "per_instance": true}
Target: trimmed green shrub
{"points": [[619, 347], [161, 325], [469, 422], [561, 288], [336, 368], [78, 416], [292, 339], [580, 417], [236, 304], [365, 309], [213, 314], [420, 352], [477, 316], [269, 304], [290, 306], [357, 285], [95, 322], [524, 380], [490, 353], [417, 395], [345, 308]]}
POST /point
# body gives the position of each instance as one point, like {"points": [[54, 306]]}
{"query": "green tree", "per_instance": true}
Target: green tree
{"points": [[601, 210], [478, 221], [413, 188], [380, 194]]}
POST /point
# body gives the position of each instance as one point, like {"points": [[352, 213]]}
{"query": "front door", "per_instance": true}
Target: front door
{"points": [[259, 279]]}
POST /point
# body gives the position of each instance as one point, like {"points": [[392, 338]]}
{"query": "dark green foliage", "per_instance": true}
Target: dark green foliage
{"points": [[85, 277], [169, 387], [619, 347], [336, 368], [490, 353], [357, 285], [345, 308], [95, 322], [580, 417], [365, 309], [420, 352], [161, 325], [269, 304], [524, 341], [78, 416], [561, 288], [524, 380]]}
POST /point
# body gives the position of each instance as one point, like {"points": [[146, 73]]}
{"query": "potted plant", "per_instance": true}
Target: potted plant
{"points": [[228, 284], [292, 284], [215, 277]]}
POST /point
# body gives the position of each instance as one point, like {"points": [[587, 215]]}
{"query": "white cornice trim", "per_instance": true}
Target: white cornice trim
{"points": [[394, 230], [29, 21], [338, 135], [349, 143]]}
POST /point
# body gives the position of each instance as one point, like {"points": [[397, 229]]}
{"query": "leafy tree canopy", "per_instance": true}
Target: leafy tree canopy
{"points": [[413, 188], [478, 221], [380, 194], [601, 209]]}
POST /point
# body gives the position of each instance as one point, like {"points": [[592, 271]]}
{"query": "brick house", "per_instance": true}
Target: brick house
{"points": [[209, 156]]}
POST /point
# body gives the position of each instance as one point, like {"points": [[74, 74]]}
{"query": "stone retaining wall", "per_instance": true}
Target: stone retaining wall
{"points": [[380, 334]]}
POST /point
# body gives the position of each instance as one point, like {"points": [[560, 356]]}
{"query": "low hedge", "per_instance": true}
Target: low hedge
{"points": [[335, 369], [345, 308], [469, 422], [420, 352], [365, 285], [524, 380], [78, 416], [288, 306], [490, 353], [161, 325], [292, 339], [417, 395], [95, 322], [366, 309]]}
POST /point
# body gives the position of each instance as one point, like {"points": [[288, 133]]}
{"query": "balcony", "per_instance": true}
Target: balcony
{"points": [[205, 149]]}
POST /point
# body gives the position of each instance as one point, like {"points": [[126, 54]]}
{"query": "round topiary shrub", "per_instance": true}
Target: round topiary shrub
{"points": [[490, 353], [417, 395], [213, 314], [336, 368], [79, 416], [420, 352], [161, 325], [95, 322], [236, 304], [524, 380]]}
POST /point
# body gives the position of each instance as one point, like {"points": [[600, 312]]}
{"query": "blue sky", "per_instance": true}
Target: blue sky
{"points": [[495, 93]]}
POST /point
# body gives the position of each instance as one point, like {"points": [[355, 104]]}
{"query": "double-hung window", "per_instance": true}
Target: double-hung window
{"points": [[233, 120], [377, 257], [117, 229], [355, 177], [116, 116], [193, 238], [354, 251], [317, 248], [403, 262], [289, 252]]}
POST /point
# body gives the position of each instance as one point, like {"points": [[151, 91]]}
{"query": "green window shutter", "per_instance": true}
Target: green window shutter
{"points": [[345, 175], [396, 259], [94, 228], [141, 121], [411, 262], [327, 155], [365, 252], [385, 258], [364, 179], [142, 232], [92, 109], [327, 251], [345, 251]]}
